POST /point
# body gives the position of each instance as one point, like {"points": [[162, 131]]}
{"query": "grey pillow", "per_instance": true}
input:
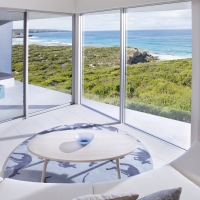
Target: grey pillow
{"points": [[173, 194]]}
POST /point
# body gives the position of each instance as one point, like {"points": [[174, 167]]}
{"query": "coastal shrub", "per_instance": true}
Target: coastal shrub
{"points": [[160, 111], [33, 67], [17, 67], [162, 88]]}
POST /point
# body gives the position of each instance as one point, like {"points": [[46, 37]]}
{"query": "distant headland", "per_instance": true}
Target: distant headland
{"points": [[18, 33]]}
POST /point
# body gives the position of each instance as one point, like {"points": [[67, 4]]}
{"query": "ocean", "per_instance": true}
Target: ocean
{"points": [[166, 44]]}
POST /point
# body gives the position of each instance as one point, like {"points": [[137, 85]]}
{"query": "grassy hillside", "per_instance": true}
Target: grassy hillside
{"points": [[161, 88], [49, 67]]}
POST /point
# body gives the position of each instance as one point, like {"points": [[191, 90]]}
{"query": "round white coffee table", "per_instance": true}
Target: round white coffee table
{"points": [[61, 146]]}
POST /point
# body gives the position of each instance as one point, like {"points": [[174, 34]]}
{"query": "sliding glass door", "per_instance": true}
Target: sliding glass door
{"points": [[159, 71], [101, 62], [50, 60]]}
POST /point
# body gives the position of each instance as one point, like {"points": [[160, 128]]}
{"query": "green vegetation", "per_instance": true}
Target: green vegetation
{"points": [[49, 67], [160, 88]]}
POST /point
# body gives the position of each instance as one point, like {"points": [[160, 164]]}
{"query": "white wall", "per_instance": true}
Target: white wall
{"points": [[40, 5], [97, 5], [6, 48]]}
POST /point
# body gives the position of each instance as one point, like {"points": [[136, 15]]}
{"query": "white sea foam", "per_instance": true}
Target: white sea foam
{"points": [[17, 41], [53, 42], [37, 41], [162, 57]]}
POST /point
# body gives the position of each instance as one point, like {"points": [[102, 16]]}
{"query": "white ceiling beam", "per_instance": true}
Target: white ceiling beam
{"points": [[64, 6], [84, 6]]}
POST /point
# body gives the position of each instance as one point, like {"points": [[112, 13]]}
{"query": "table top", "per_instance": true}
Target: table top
{"points": [[62, 146]]}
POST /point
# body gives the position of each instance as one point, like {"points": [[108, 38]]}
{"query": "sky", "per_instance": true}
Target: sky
{"points": [[151, 20], [156, 20]]}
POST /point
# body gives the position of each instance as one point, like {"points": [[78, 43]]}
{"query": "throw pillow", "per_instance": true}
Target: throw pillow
{"points": [[173, 194], [122, 196]]}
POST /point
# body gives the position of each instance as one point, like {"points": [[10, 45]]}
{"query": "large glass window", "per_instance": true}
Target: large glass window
{"points": [[11, 65], [50, 60], [101, 62], [158, 71]]}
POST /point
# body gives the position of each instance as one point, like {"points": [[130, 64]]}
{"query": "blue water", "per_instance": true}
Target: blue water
{"points": [[163, 42], [167, 44]]}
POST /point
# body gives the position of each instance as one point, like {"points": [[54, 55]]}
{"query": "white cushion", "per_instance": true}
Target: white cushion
{"points": [[189, 163], [21, 190], [122, 196], [152, 181]]}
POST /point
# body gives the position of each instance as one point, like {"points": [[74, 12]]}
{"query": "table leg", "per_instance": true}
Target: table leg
{"points": [[118, 168], [44, 170]]}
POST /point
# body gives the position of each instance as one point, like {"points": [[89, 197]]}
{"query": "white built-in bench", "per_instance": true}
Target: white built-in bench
{"points": [[183, 172]]}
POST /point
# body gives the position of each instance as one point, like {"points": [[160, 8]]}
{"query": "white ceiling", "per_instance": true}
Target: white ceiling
{"points": [[8, 16], [77, 6], [83, 6]]}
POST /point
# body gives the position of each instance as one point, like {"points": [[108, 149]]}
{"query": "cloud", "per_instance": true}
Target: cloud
{"points": [[61, 23], [177, 19], [102, 21], [149, 20]]}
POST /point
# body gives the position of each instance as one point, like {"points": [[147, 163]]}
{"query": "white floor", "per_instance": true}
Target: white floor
{"points": [[173, 131], [14, 132], [39, 98]]}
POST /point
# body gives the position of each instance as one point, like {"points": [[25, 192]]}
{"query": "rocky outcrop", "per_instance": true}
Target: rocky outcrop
{"points": [[18, 35], [136, 55]]}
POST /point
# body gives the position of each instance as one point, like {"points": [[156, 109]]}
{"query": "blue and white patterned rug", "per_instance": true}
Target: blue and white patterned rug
{"points": [[22, 165]]}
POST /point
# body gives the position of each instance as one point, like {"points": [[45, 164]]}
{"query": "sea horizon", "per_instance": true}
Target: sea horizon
{"points": [[166, 44]]}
